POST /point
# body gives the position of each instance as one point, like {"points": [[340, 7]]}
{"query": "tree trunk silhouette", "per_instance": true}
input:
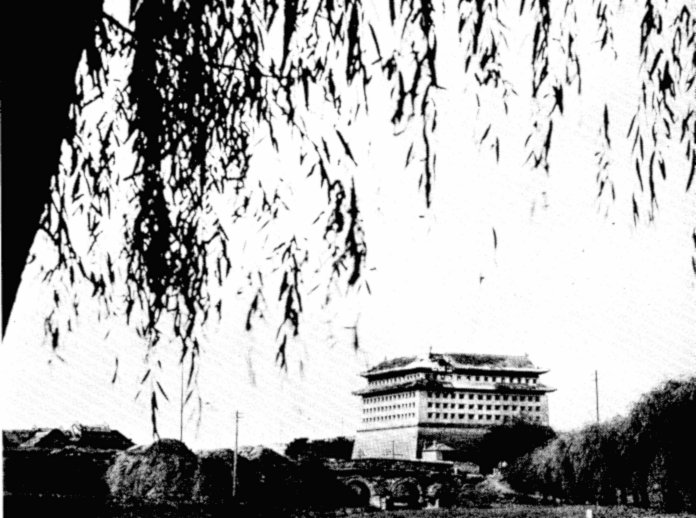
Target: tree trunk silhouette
{"points": [[42, 53]]}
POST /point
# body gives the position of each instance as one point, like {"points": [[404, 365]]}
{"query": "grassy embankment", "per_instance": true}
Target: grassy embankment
{"points": [[525, 511]]}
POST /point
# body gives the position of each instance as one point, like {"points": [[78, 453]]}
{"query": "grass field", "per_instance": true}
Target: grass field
{"points": [[77, 509], [525, 511]]}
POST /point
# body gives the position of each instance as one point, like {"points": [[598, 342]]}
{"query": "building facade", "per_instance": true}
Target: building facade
{"points": [[452, 399]]}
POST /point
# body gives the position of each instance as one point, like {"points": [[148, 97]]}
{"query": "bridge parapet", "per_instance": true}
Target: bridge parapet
{"points": [[384, 466], [377, 482]]}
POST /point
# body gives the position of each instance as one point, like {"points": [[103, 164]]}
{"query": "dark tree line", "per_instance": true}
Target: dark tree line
{"points": [[646, 458]]}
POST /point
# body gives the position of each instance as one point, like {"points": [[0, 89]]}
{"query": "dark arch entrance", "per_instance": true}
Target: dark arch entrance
{"points": [[358, 494], [405, 493]]}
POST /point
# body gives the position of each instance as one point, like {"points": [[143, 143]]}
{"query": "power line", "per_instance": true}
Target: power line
{"points": [[181, 401]]}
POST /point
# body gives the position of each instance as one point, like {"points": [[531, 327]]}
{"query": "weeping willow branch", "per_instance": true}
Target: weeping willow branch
{"points": [[187, 89]]}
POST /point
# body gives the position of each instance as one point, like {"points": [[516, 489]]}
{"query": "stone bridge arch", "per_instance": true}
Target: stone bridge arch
{"points": [[361, 491], [386, 483], [407, 491]]}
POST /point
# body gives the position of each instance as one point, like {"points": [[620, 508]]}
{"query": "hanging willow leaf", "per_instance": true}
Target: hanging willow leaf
{"points": [[153, 414], [346, 147], [289, 25], [113, 378]]}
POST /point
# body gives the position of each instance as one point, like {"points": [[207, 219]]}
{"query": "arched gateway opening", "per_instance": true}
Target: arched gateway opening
{"points": [[405, 493], [358, 494]]}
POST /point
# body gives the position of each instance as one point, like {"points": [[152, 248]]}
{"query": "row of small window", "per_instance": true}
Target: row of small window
{"points": [[397, 379], [390, 397], [487, 407], [495, 379], [474, 417], [481, 397], [392, 417], [375, 409]]}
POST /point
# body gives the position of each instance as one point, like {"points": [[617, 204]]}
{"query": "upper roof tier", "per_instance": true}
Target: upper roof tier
{"points": [[455, 362]]}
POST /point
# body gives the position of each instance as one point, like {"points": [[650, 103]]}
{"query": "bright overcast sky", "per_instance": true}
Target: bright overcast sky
{"points": [[574, 287]]}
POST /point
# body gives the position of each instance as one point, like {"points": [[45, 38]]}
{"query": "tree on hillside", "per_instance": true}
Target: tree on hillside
{"points": [[336, 448], [598, 468], [545, 470], [297, 448], [649, 454], [186, 88], [662, 449], [509, 441]]}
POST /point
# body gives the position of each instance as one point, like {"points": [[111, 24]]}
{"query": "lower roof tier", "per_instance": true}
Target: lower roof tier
{"points": [[440, 386]]}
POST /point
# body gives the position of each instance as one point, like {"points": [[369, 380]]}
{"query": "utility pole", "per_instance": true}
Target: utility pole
{"points": [[181, 402], [234, 465], [596, 384]]}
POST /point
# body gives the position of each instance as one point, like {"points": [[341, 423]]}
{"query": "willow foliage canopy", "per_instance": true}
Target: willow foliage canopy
{"points": [[186, 88]]}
